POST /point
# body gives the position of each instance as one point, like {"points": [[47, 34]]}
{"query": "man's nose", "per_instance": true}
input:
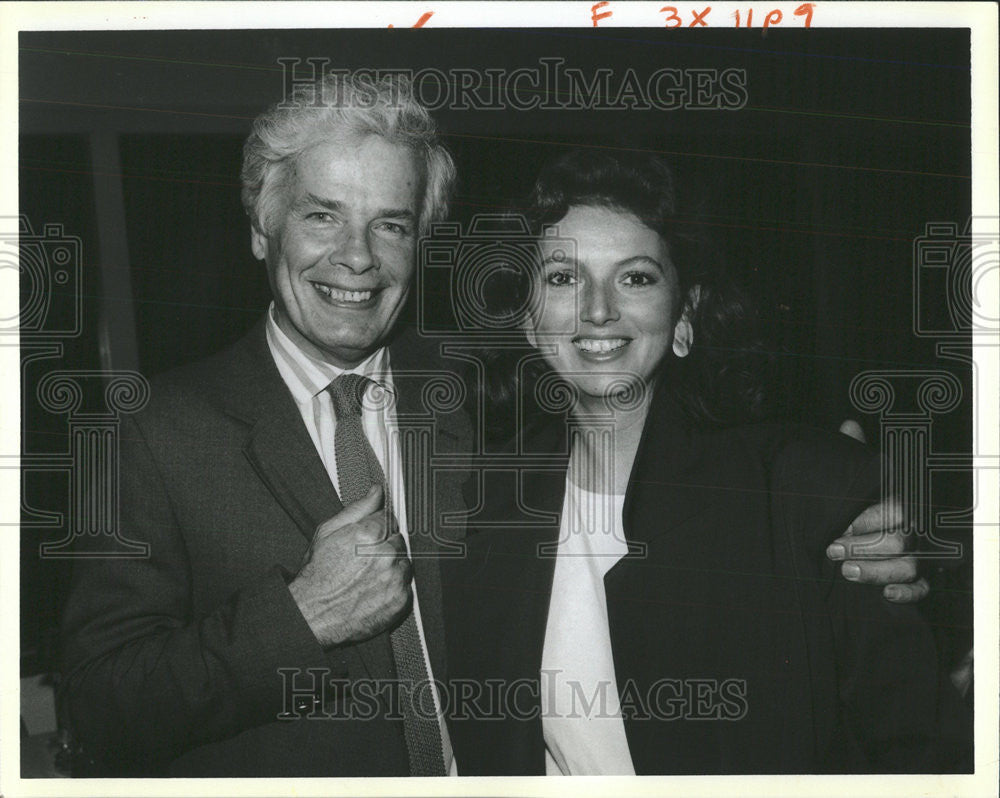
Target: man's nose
{"points": [[354, 251], [599, 304]]}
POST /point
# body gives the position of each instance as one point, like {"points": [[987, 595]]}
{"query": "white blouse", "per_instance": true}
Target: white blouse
{"points": [[581, 715]]}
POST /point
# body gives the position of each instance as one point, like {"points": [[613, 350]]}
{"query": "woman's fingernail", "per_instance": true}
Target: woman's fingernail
{"points": [[851, 571], [892, 593], [835, 551]]}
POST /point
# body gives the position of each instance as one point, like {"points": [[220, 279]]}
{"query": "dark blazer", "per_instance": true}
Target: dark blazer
{"points": [[737, 648], [171, 663]]}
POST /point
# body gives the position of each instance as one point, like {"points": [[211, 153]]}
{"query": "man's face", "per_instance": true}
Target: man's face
{"points": [[340, 259]]}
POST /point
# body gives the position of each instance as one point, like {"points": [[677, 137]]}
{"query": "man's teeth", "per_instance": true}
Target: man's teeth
{"points": [[599, 344], [343, 296]]}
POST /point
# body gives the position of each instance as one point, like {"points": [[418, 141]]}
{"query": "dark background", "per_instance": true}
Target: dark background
{"points": [[851, 141]]}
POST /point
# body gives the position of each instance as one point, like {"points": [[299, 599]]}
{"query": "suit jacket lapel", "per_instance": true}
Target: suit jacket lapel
{"points": [[532, 555], [544, 488], [665, 474], [702, 504], [283, 455], [278, 445]]}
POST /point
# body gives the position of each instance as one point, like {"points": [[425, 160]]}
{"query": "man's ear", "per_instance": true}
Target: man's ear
{"points": [[683, 330], [258, 243]]}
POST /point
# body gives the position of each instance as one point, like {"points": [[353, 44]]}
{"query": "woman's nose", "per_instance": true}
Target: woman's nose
{"points": [[599, 305]]}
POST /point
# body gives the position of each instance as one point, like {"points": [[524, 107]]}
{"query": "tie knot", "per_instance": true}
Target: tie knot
{"points": [[348, 391]]}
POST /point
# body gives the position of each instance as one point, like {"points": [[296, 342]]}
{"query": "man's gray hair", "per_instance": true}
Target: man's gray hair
{"points": [[341, 105]]}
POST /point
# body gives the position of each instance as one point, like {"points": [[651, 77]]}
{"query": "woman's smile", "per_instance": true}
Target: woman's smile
{"points": [[601, 348]]}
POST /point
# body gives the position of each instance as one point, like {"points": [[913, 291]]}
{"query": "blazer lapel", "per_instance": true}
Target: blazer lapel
{"points": [[543, 489], [664, 474], [249, 387], [698, 503], [283, 455], [532, 557]]}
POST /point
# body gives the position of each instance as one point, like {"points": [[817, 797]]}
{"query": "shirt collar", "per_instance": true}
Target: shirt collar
{"points": [[307, 376]]}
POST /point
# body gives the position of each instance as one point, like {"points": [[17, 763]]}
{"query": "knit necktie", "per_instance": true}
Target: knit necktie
{"points": [[357, 470]]}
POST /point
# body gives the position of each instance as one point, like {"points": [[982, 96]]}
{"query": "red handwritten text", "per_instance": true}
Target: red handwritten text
{"points": [[594, 16], [420, 22]]}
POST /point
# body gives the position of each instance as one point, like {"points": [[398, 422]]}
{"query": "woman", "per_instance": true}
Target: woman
{"points": [[645, 590]]}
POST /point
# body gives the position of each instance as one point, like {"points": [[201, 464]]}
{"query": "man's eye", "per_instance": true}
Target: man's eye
{"points": [[394, 228], [320, 216], [560, 278], [638, 279]]}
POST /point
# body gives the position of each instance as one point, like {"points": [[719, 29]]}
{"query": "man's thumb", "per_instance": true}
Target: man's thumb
{"points": [[886, 516], [355, 511]]}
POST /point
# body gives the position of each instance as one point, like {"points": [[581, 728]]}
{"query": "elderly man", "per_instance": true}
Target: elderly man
{"points": [[291, 596]]}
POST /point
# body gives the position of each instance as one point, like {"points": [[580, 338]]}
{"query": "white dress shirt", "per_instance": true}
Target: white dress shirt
{"points": [[581, 713], [308, 379]]}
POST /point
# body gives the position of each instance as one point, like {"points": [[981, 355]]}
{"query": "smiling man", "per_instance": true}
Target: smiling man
{"points": [[289, 610], [273, 631]]}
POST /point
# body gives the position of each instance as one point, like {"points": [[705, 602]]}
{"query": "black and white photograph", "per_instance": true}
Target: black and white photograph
{"points": [[472, 391]]}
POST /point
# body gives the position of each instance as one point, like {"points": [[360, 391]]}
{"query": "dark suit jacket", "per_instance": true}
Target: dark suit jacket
{"points": [[732, 588], [171, 663]]}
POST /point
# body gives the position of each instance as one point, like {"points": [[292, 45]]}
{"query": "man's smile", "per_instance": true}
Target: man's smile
{"points": [[343, 297]]}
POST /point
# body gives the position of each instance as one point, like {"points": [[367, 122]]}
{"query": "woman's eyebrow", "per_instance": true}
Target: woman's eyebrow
{"points": [[635, 260], [563, 260]]}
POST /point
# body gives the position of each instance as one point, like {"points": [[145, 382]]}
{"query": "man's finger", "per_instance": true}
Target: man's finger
{"points": [[907, 594], [886, 515], [872, 546], [396, 543], [852, 429], [406, 564], [355, 511], [881, 572]]}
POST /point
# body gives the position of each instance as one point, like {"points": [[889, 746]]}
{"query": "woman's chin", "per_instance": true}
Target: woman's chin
{"points": [[608, 394]]}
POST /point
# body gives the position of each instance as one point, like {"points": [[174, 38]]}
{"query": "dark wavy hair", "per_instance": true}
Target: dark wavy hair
{"points": [[722, 379]]}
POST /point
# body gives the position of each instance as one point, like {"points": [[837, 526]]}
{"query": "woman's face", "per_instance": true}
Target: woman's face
{"points": [[612, 307]]}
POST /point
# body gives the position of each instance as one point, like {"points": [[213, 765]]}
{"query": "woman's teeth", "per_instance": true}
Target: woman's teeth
{"points": [[599, 344], [343, 296]]}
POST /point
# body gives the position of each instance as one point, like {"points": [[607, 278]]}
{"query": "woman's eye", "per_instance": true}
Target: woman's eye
{"points": [[560, 278], [638, 279]]}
